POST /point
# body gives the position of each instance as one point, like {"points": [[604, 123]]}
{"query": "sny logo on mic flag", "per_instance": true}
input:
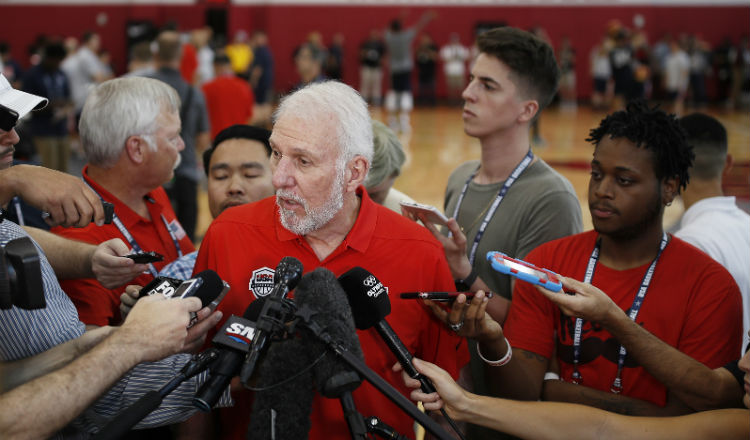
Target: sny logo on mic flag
{"points": [[236, 333]]}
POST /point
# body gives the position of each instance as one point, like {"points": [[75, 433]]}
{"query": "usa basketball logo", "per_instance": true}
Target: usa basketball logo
{"points": [[261, 283]]}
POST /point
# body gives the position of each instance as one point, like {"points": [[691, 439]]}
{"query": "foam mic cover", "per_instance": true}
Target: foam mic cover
{"points": [[281, 408], [321, 296], [369, 301], [367, 297], [208, 290]]}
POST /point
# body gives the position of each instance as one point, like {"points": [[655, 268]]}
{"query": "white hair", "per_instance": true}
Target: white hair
{"points": [[120, 108], [332, 100]]}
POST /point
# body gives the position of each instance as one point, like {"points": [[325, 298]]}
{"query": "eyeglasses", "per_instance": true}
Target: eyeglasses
{"points": [[8, 118]]}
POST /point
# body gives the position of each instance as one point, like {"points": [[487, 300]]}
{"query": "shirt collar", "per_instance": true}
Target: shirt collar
{"points": [[123, 211], [359, 236]]}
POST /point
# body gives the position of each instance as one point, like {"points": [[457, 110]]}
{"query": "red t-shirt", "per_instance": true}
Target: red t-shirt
{"points": [[247, 241], [692, 304], [96, 304], [230, 101], [188, 63]]}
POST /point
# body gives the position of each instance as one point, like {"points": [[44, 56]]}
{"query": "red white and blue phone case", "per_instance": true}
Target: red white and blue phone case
{"points": [[524, 271]]}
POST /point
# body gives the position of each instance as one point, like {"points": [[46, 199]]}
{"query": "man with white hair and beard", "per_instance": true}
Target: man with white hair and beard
{"points": [[321, 151], [130, 131]]}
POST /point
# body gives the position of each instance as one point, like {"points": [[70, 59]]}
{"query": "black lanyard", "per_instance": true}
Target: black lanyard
{"points": [[520, 168], [634, 309]]}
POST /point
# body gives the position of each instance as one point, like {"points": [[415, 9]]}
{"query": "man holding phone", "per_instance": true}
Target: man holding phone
{"points": [[129, 157], [669, 288]]}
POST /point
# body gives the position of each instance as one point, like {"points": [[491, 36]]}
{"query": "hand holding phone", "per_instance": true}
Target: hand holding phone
{"points": [[431, 214], [145, 257], [524, 271]]}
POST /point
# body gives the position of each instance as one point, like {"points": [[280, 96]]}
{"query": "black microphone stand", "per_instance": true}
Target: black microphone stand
{"points": [[120, 424], [304, 317]]}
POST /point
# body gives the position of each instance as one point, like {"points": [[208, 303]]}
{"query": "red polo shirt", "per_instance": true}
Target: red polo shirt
{"points": [[247, 241], [100, 306]]}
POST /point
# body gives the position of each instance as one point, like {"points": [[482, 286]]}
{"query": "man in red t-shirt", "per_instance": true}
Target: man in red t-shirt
{"points": [[321, 214], [229, 98], [130, 154], [641, 160]]}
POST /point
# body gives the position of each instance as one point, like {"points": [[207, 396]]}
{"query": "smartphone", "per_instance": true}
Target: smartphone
{"points": [[145, 257], [524, 271], [440, 296], [431, 213], [109, 212]]}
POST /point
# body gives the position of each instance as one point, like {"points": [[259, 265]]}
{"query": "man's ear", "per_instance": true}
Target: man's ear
{"points": [[529, 109], [357, 170], [670, 187], [135, 148], [728, 164]]}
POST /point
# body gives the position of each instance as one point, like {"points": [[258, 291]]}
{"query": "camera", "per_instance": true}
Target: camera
{"points": [[21, 276]]}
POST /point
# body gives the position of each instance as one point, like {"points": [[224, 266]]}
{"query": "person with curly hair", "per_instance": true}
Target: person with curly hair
{"points": [[659, 282]]}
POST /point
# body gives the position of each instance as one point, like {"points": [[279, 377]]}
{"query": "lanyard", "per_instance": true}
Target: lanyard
{"points": [[633, 313], [131, 240], [520, 168]]}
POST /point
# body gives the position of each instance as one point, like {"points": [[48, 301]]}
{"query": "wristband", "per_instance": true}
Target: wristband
{"points": [[551, 375], [500, 362], [464, 285]]}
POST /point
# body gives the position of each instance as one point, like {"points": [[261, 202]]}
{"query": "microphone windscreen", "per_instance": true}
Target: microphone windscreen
{"points": [[282, 411], [253, 310], [211, 287], [367, 297], [289, 271], [320, 293]]}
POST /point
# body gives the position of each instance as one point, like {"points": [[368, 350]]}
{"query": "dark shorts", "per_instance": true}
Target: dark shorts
{"points": [[401, 82], [600, 85]]}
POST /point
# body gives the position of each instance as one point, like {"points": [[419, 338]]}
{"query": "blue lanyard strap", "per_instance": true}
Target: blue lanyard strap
{"points": [[131, 240], [520, 168], [633, 313]]}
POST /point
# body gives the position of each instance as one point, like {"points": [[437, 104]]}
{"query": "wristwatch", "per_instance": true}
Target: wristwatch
{"points": [[464, 285]]}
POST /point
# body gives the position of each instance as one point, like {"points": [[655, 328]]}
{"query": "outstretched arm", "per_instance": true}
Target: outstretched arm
{"points": [[693, 383], [154, 329], [75, 259], [551, 420]]}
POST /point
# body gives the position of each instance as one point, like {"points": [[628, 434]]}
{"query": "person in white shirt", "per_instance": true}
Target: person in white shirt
{"points": [[712, 222], [454, 56]]}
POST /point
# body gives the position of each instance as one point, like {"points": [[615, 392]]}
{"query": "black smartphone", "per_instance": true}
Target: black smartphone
{"points": [[440, 296], [109, 212], [145, 257]]}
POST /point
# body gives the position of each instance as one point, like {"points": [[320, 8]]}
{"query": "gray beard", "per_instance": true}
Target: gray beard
{"points": [[315, 218]]}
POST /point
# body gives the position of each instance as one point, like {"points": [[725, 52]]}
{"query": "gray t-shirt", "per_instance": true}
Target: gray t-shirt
{"points": [[540, 206], [399, 49]]}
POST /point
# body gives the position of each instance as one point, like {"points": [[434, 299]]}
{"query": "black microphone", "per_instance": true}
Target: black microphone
{"points": [[368, 299], [285, 278], [322, 305], [284, 394], [206, 285], [320, 297], [370, 305], [233, 341]]}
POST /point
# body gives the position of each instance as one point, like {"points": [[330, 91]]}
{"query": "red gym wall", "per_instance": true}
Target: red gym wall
{"points": [[288, 25]]}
